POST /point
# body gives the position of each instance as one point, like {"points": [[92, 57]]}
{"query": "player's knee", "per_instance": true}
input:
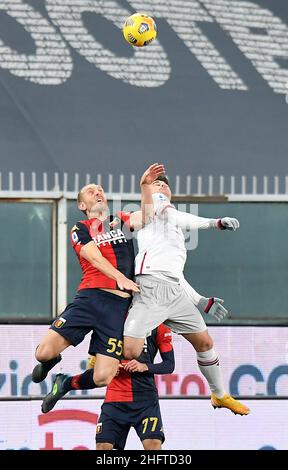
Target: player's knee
{"points": [[104, 446], [152, 444], [207, 344], [45, 352], [102, 378], [128, 354], [131, 352], [204, 343]]}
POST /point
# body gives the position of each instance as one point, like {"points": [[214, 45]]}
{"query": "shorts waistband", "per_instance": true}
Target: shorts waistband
{"points": [[158, 280], [98, 290]]}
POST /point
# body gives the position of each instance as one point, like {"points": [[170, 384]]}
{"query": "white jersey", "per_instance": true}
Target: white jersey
{"points": [[161, 248], [161, 243]]}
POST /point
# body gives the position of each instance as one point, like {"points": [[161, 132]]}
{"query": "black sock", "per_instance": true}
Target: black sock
{"points": [[80, 382], [47, 365]]}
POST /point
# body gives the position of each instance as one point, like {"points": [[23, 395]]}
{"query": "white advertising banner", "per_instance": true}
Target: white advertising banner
{"points": [[188, 424], [254, 362]]}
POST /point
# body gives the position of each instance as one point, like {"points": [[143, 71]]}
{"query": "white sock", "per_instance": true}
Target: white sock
{"points": [[208, 363]]}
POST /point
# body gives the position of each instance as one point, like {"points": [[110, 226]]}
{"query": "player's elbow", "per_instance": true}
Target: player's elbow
{"points": [[169, 367]]}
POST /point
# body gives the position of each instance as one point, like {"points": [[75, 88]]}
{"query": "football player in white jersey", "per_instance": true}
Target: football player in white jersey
{"points": [[165, 296]]}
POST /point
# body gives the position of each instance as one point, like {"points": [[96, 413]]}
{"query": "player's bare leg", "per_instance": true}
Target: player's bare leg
{"points": [[104, 371], [208, 363], [104, 446], [51, 346], [152, 444], [132, 347], [48, 354]]}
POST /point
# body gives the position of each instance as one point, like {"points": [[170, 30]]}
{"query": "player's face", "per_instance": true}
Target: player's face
{"points": [[93, 198], [161, 187]]}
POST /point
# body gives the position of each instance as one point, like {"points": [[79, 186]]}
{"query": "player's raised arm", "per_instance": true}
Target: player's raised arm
{"points": [[140, 218]]}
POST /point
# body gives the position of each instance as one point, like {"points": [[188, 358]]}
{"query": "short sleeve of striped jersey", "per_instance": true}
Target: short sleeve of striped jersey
{"points": [[80, 236], [164, 338], [126, 218]]}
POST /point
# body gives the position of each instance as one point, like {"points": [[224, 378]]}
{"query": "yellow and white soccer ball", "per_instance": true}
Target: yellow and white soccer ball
{"points": [[139, 30]]}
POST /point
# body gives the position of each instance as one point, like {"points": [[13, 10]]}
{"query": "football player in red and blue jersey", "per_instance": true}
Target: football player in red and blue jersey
{"points": [[131, 398], [104, 247]]}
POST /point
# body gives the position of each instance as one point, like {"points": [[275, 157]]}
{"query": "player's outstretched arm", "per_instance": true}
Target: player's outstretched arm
{"points": [[187, 221]]}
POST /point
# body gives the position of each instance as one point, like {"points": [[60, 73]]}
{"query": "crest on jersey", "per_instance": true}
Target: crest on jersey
{"points": [[114, 222], [99, 428], [60, 322]]}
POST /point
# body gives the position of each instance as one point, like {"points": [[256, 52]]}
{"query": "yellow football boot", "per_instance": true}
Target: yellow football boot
{"points": [[229, 402]]}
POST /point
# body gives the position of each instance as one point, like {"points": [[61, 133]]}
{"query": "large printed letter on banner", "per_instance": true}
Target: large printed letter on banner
{"points": [[185, 18], [260, 35], [52, 63]]}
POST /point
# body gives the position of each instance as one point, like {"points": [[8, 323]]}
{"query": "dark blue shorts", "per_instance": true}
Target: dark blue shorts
{"points": [[98, 311], [116, 420]]}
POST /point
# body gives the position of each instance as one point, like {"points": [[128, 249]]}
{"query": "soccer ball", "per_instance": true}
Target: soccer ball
{"points": [[139, 30]]}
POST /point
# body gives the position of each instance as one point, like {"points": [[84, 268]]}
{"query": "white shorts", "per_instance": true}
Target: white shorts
{"points": [[161, 301]]}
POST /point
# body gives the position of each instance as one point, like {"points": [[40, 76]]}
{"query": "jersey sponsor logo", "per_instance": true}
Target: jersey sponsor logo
{"points": [[60, 322], [114, 236], [99, 428]]}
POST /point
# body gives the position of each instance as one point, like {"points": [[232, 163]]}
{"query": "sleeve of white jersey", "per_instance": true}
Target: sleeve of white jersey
{"points": [[184, 220], [193, 294]]}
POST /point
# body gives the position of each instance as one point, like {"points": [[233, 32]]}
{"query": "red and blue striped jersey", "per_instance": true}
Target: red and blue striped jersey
{"points": [[113, 238]]}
